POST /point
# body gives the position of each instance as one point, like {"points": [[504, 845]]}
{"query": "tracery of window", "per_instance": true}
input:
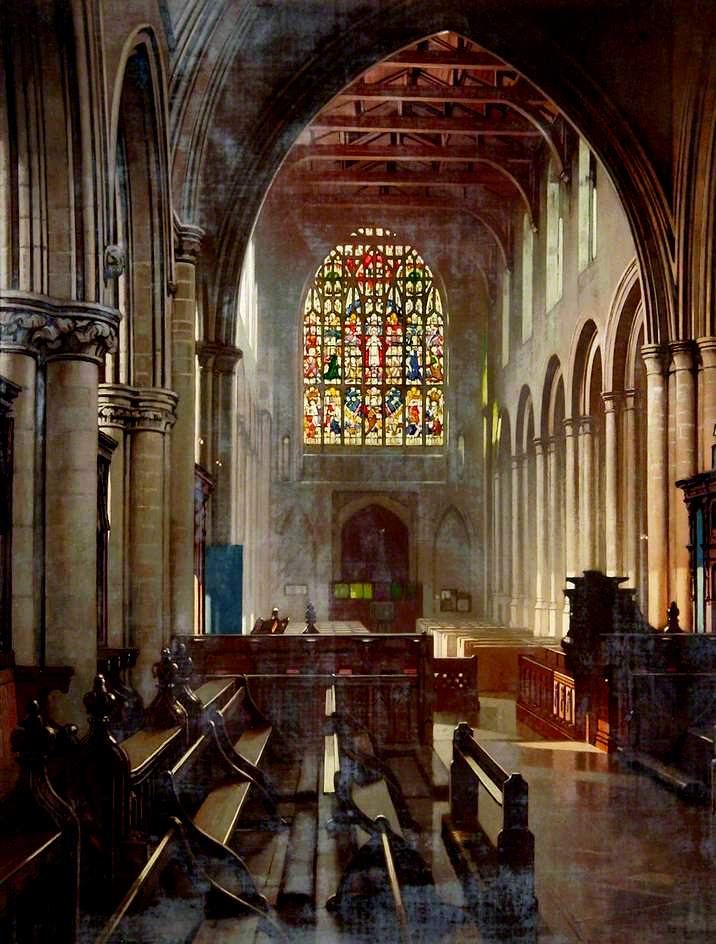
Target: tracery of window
{"points": [[373, 347]]}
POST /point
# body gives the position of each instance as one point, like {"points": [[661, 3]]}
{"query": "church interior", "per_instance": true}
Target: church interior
{"points": [[357, 471]]}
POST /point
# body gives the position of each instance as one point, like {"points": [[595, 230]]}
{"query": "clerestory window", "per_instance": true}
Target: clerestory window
{"points": [[373, 347]]}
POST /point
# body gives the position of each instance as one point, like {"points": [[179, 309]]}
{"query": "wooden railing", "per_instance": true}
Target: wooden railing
{"points": [[456, 684], [390, 678], [547, 697]]}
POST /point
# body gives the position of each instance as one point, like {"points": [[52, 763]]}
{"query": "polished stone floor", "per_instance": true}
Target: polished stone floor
{"points": [[618, 859]]}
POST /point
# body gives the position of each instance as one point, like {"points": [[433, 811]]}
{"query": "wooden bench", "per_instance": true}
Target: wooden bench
{"points": [[386, 890], [243, 734], [173, 896], [39, 846], [208, 793], [487, 838]]}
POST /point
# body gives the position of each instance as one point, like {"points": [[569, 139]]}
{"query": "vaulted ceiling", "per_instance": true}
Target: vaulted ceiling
{"points": [[441, 125]]}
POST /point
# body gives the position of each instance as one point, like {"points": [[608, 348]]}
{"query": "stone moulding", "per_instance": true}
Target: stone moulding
{"points": [[51, 328], [136, 408]]}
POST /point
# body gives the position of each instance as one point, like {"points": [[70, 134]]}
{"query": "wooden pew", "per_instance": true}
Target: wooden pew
{"points": [[174, 895], [208, 801], [242, 734], [39, 847], [386, 890], [488, 841]]}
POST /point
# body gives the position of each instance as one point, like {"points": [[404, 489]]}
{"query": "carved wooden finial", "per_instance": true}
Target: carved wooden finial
{"points": [[672, 622], [100, 702], [32, 740], [165, 671]]}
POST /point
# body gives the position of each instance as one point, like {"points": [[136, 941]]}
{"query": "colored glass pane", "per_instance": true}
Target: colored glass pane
{"points": [[311, 415], [332, 348], [414, 418], [352, 417], [373, 417], [332, 409], [394, 417], [434, 419], [373, 347], [434, 373]]}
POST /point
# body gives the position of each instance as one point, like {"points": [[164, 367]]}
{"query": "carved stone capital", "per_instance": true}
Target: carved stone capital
{"points": [[707, 350], [653, 357], [612, 400], [187, 241], [682, 355], [220, 358], [136, 408], [53, 329]]}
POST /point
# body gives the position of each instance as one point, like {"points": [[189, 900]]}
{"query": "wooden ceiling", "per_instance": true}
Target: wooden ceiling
{"points": [[441, 125]]}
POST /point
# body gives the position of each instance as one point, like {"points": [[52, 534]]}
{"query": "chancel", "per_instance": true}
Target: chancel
{"points": [[357, 478]]}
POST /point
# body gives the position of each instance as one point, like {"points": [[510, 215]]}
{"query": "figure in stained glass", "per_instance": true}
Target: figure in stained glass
{"points": [[373, 354], [434, 418], [394, 417], [414, 418]]}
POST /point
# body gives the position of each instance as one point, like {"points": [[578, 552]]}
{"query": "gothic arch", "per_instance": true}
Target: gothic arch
{"points": [[358, 504], [452, 552], [141, 215], [528, 48], [626, 301]]}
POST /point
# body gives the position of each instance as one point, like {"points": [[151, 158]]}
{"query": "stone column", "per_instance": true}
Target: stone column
{"points": [[115, 418], [153, 416], [526, 555], [218, 363], [630, 535], [682, 362], [611, 478], [586, 493], [555, 575], [540, 512], [496, 549], [74, 343], [707, 349], [570, 500], [18, 364], [517, 538], [182, 445], [657, 484], [507, 549]]}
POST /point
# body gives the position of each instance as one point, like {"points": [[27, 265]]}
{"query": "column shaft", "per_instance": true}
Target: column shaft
{"points": [[21, 369], [586, 494], [657, 485], [707, 349], [684, 466], [540, 536], [611, 470], [181, 567], [554, 531], [516, 591], [630, 515], [71, 527], [570, 500]]}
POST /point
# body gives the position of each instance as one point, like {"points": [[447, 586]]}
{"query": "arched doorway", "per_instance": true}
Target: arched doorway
{"points": [[375, 547]]}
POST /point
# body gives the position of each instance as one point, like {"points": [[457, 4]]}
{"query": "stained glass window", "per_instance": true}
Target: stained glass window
{"points": [[373, 347]]}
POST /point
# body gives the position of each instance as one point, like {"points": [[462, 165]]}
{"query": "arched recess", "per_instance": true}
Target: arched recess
{"points": [[588, 416], [452, 554], [375, 546], [554, 445], [514, 36], [355, 506], [141, 218]]}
